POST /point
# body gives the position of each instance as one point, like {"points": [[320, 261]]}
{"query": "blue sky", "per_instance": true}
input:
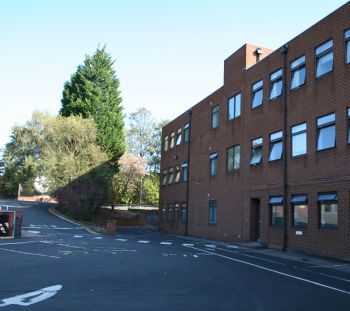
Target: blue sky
{"points": [[169, 54]]}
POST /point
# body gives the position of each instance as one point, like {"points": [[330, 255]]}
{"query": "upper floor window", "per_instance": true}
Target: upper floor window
{"points": [[233, 158], [213, 164], [298, 72], [184, 172], [186, 132], [328, 209], [215, 117], [300, 210], [348, 110], [326, 132], [299, 140], [165, 177], [276, 205], [176, 212], [276, 84], [257, 94], [257, 145], [324, 58], [234, 106], [172, 140], [166, 143], [212, 211], [179, 137], [171, 176], [177, 174], [276, 146], [347, 46]]}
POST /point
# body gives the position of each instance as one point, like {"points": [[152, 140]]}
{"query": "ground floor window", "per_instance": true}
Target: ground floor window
{"points": [[300, 210], [212, 211], [184, 212], [328, 209], [276, 207], [176, 212], [170, 212], [163, 212]]}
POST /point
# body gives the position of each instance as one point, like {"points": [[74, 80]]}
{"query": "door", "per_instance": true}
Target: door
{"points": [[254, 220]]}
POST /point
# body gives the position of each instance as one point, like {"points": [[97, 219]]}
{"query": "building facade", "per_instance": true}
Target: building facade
{"points": [[266, 157]]}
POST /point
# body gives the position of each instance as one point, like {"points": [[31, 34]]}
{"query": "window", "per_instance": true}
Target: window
{"points": [[177, 174], [212, 211], [213, 164], [233, 158], [176, 212], [276, 204], [326, 132], [276, 84], [178, 138], [171, 176], [166, 143], [347, 46], [298, 72], [300, 210], [328, 207], [163, 215], [257, 145], [165, 177], [184, 172], [183, 212], [276, 146], [348, 110], [215, 117], [170, 212], [257, 94], [172, 140], [324, 58], [234, 106], [299, 142], [186, 133]]}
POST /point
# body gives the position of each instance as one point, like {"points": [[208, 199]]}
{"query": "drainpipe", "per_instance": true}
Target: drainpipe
{"points": [[284, 51], [188, 168]]}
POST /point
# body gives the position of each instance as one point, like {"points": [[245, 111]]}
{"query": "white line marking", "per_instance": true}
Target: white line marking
{"points": [[57, 228], [25, 253], [232, 246], [32, 231], [39, 295], [184, 244], [166, 243], [15, 243], [78, 236], [144, 242], [195, 256], [121, 240], [274, 271], [98, 238], [210, 246], [334, 277], [251, 256]]}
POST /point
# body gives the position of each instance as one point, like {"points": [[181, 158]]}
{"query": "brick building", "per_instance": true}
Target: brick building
{"points": [[266, 157]]}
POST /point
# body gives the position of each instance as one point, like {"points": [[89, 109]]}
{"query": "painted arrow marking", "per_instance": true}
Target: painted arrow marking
{"points": [[37, 296]]}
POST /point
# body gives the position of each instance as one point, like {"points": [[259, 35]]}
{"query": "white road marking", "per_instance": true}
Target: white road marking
{"points": [[78, 236], [16, 243], [210, 245], [144, 242], [166, 243], [32, 231], [184, 244], [26, 253], [57, 228], [121, 240], [275, 271], [98, 238], [232, 246], [251, 256], [195, 256], [37, 296]]}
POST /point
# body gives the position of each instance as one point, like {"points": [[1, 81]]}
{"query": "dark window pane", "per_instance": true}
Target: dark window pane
{"points": [[300, 215], [236, 157], [256, 155], [230, 159], [213, 167], [329, 215]]}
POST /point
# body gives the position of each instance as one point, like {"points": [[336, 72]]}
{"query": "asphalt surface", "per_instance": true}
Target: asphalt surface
{"points": [[60, 266]]}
